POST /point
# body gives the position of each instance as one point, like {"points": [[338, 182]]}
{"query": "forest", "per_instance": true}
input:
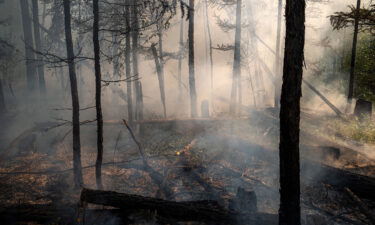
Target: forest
{"points": [[184, 112]]}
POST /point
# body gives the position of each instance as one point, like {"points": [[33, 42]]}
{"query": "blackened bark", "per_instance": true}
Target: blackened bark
{"points": [[29, 44], [38, 46], [161, 62], [160, 77], [354, 53], [193, 91], [135, 34], [2, 99], [127, 65], [277, 55], [237, 60], [77, 167], [289, 212], [98, 92]]}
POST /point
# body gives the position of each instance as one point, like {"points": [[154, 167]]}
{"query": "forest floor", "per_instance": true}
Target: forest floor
{"points": [[202, 159]]}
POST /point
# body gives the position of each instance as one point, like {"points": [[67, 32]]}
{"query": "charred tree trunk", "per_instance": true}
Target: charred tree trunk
{"points": [[354, 53], [160, 77], [127, 65], [193, 91], [38, 46], [135, 34], [77, 167], [29, 44], [2, 98], [277, 55], [289, 212], [180, 57], [237, 60], [98, 92]]}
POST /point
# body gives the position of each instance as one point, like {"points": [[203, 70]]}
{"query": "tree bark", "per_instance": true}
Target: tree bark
{"points": [[38, 46], [160, 78], [29, 44], [77, 167], [98, 92], [237, 60], [354, 53], [193, 91], [127, 64], [161, 60], [137, 88], [277, 55], [289, 212], [210, 46]]}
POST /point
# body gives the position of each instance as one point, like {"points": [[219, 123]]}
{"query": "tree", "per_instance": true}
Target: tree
{"points": [[2, 99], [98, 92], [29, 43], [127, 63], [193, 91], [354, 53], [237, 60], [160, 74], [289, 212], [38, 46], [77, 167], [277, 55]]}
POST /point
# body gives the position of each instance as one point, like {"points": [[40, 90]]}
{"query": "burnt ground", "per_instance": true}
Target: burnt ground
{"points": [[199, 159]]}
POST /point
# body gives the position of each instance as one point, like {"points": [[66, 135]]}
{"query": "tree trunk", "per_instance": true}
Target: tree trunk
{"points": [[77, 167], [29, 44], [289, 212], [277, 79], [127, 65], [2, 98], [354, 53], [160, 78], [210, 46], [38, 46], [98, 92], [193, 91], [180, 57], [161, 60], [237, 60], [135, 34]]}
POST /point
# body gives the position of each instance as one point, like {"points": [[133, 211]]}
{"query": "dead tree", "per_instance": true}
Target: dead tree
{"points": [[193, 91], [289, 212], [160, 74], [127, 63], [354, 53], [78, 181], [207, 21], [237, 60], [98, 92], [29, 44], [38, 46], [180, 57], [277, 55]]}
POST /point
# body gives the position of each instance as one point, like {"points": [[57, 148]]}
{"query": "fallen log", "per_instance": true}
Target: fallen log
{"points": [[203, 211]]}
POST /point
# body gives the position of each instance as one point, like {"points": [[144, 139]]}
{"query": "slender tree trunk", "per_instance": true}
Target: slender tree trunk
{"points": [[290, 212], [2, 98], [210, 46], [277, 55], [193, 91], [29, 44], [237, 59], [160, 77], [38, 46], [77, 167], [354, 53], [127, 65], [115, 48], [98, 92], [161, 62], [180, 57], [135, 34]]}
